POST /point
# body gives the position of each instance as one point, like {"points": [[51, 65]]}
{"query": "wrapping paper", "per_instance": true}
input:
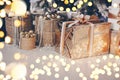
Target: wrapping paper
{"points": [[13, 31], [85, 40], [27, 43], [46, 32], [115, 42]]}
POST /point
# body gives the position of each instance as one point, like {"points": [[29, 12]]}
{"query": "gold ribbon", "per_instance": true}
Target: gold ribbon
{"points": [[72, 23]]}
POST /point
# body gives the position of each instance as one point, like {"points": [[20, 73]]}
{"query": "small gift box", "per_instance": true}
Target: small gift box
{"points": [[27, 40], [84, 40], [115, 42]]}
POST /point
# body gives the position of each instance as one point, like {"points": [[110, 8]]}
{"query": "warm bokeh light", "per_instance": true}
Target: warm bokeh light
{"points": [[19, 71], [54, 5], [81, 75], [8, 39], [1, 23], [1, 3], [117, 75], [66, 2], [17, 56], [1, 76], [49, 0], [90, 3], [37, 60], [61, 8], [57, 69], [17, 23], [2, 34], [111, 56], [56, 75], [2, 66], [51, 56], [92, 66], [19, 7], [1, 45], [79, 6], [3, 13], [74, 9], [68, 9], [85, 1], [71, 1], [44, 57], [66, 78], [115, 5], [8, 2], [109, 0], [104, 57], [77, 69], [57, 57], [81, 2], [8, 77]]}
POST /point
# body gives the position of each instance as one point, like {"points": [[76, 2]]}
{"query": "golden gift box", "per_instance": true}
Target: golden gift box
{"points": [[115, 42], [84, 40], [27, 40]]}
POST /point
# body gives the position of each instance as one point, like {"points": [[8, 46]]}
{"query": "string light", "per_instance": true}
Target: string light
{"points": [[117, 75], [92, 66], [66, 2], [74, 8], [61, 8], [1, 76], [32, 66], [85, 1], [3, 13], [1, 3], [1, 34], [79, 6], [2, 66], [54, 5], [17, 56], [66, 78], [81, 75], [49, 0], [8, 39], [19, 71], [109, 0], [71, 1], [8, 2], [90, 3], [68, 9], [78, 69], [56, 75], [17, 23], [81, 2], [19, 7], [37, 60]]}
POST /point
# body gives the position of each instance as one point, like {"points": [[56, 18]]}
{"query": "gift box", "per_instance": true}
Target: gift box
{"points": [[27, 40], [27, 43], [115, 42], [84, 40], [16, 24], [47, 32]]}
